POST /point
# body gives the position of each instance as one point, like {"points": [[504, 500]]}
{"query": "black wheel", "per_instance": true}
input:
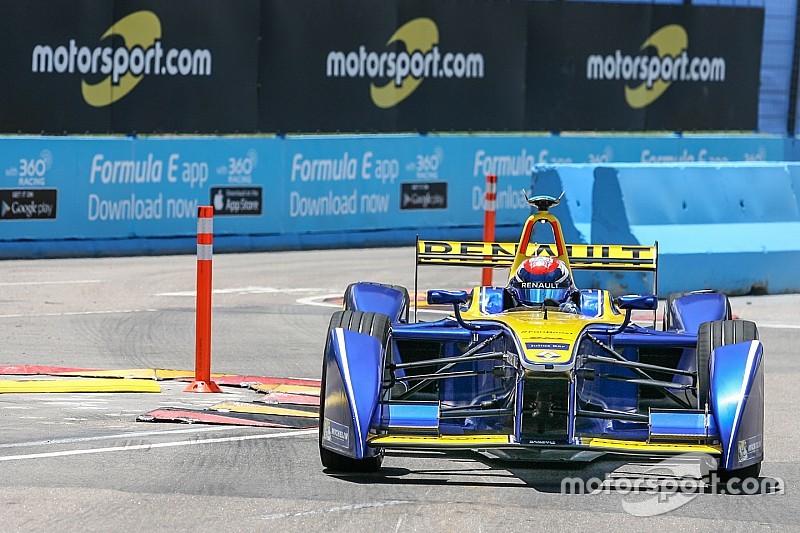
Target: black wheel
{"points": [[406, 298], [712, 335], [376, 325]]}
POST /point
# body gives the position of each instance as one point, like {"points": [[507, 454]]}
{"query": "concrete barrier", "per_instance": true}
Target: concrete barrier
{"points": [[734, 227]]}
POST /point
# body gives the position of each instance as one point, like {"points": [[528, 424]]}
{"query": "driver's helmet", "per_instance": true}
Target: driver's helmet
{"points": [[541, 278]]}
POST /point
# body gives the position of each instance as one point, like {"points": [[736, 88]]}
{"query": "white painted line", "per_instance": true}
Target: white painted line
{"points": [[64, 404], [319, 301], [127, 435], [251, 290], [777, 325], [156, 445], [343, 508], [65, 282], [78, 313]]}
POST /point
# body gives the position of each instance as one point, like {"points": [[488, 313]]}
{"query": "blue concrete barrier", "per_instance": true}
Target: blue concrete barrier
{"points": [[92, 196], [733, 227]]}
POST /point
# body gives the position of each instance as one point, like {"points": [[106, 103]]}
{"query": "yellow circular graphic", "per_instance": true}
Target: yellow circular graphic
{"points": [[668, 41], [141, 28], [419, 35]]}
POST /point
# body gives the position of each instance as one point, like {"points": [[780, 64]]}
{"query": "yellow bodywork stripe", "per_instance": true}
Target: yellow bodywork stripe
{"points": [[242, 407], [640, 446], [477, 441], [474, 441], [79, 385]]}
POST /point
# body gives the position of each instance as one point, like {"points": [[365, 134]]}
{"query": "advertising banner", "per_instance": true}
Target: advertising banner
{"points": [[77, 193], [642, 67], [413, 65], [41, 83], [343, 184], [129, 66], [334, 66], [123, 188], [102, 196]]}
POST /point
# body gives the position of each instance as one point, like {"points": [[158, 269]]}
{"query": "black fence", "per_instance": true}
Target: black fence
{"points": [[228, 66]]}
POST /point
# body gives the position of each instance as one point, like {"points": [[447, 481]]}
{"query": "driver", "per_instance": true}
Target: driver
{"points": [[544, 280]]}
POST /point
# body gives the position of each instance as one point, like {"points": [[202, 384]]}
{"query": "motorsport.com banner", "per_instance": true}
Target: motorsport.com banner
{"points": [[284, 66], [642, 67]]}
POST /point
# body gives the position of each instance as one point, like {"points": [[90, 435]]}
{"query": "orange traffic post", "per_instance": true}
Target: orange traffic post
{"points": [[489, 208], [205, 244]]}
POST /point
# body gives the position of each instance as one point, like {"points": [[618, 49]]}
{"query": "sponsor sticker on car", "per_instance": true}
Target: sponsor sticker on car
{"points": [[336, 433]]}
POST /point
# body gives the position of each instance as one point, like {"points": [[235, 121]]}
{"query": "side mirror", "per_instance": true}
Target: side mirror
{"points": [[647, 302], [447, 297]]}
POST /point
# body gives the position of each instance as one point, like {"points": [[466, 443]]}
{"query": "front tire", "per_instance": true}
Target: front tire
{"points": [[742, 474], [376, 325], [712, 335]]}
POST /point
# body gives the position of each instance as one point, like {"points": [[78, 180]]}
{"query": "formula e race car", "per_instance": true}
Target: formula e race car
{"points": [[540, 365]]}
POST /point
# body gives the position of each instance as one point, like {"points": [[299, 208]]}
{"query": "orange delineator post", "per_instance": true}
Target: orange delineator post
{"points": [[205, 243], [489, 222]]}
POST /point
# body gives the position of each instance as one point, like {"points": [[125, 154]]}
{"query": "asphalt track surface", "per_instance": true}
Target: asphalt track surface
{"points": [[73, 462]]}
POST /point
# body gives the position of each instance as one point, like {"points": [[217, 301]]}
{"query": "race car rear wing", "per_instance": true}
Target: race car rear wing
{"points": [[592, 257], [623, 257]]}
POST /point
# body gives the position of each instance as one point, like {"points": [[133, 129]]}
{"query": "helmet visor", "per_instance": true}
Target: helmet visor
{"points": [[538, 296]]}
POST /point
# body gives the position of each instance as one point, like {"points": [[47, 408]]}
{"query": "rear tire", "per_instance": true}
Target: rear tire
{"points": [[668, 310], [376, 325], [712, 335], [668, 323]]}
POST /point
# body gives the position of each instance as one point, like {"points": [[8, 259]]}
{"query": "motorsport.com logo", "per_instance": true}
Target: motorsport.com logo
{"points": [[117, 62], [123, 66], [400, 65], [649, 69], [656, 73], [417, 57]]}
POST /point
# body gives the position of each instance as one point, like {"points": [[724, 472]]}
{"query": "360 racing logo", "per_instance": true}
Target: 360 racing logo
{"points": [[656, 73], [406, 69], [124, 66]]}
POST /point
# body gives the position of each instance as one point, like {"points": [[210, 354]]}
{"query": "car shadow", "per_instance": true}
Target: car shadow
{"points": [[607, 474]]}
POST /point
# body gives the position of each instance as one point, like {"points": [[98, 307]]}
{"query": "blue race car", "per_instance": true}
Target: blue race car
{"points": [[540, 365]]}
